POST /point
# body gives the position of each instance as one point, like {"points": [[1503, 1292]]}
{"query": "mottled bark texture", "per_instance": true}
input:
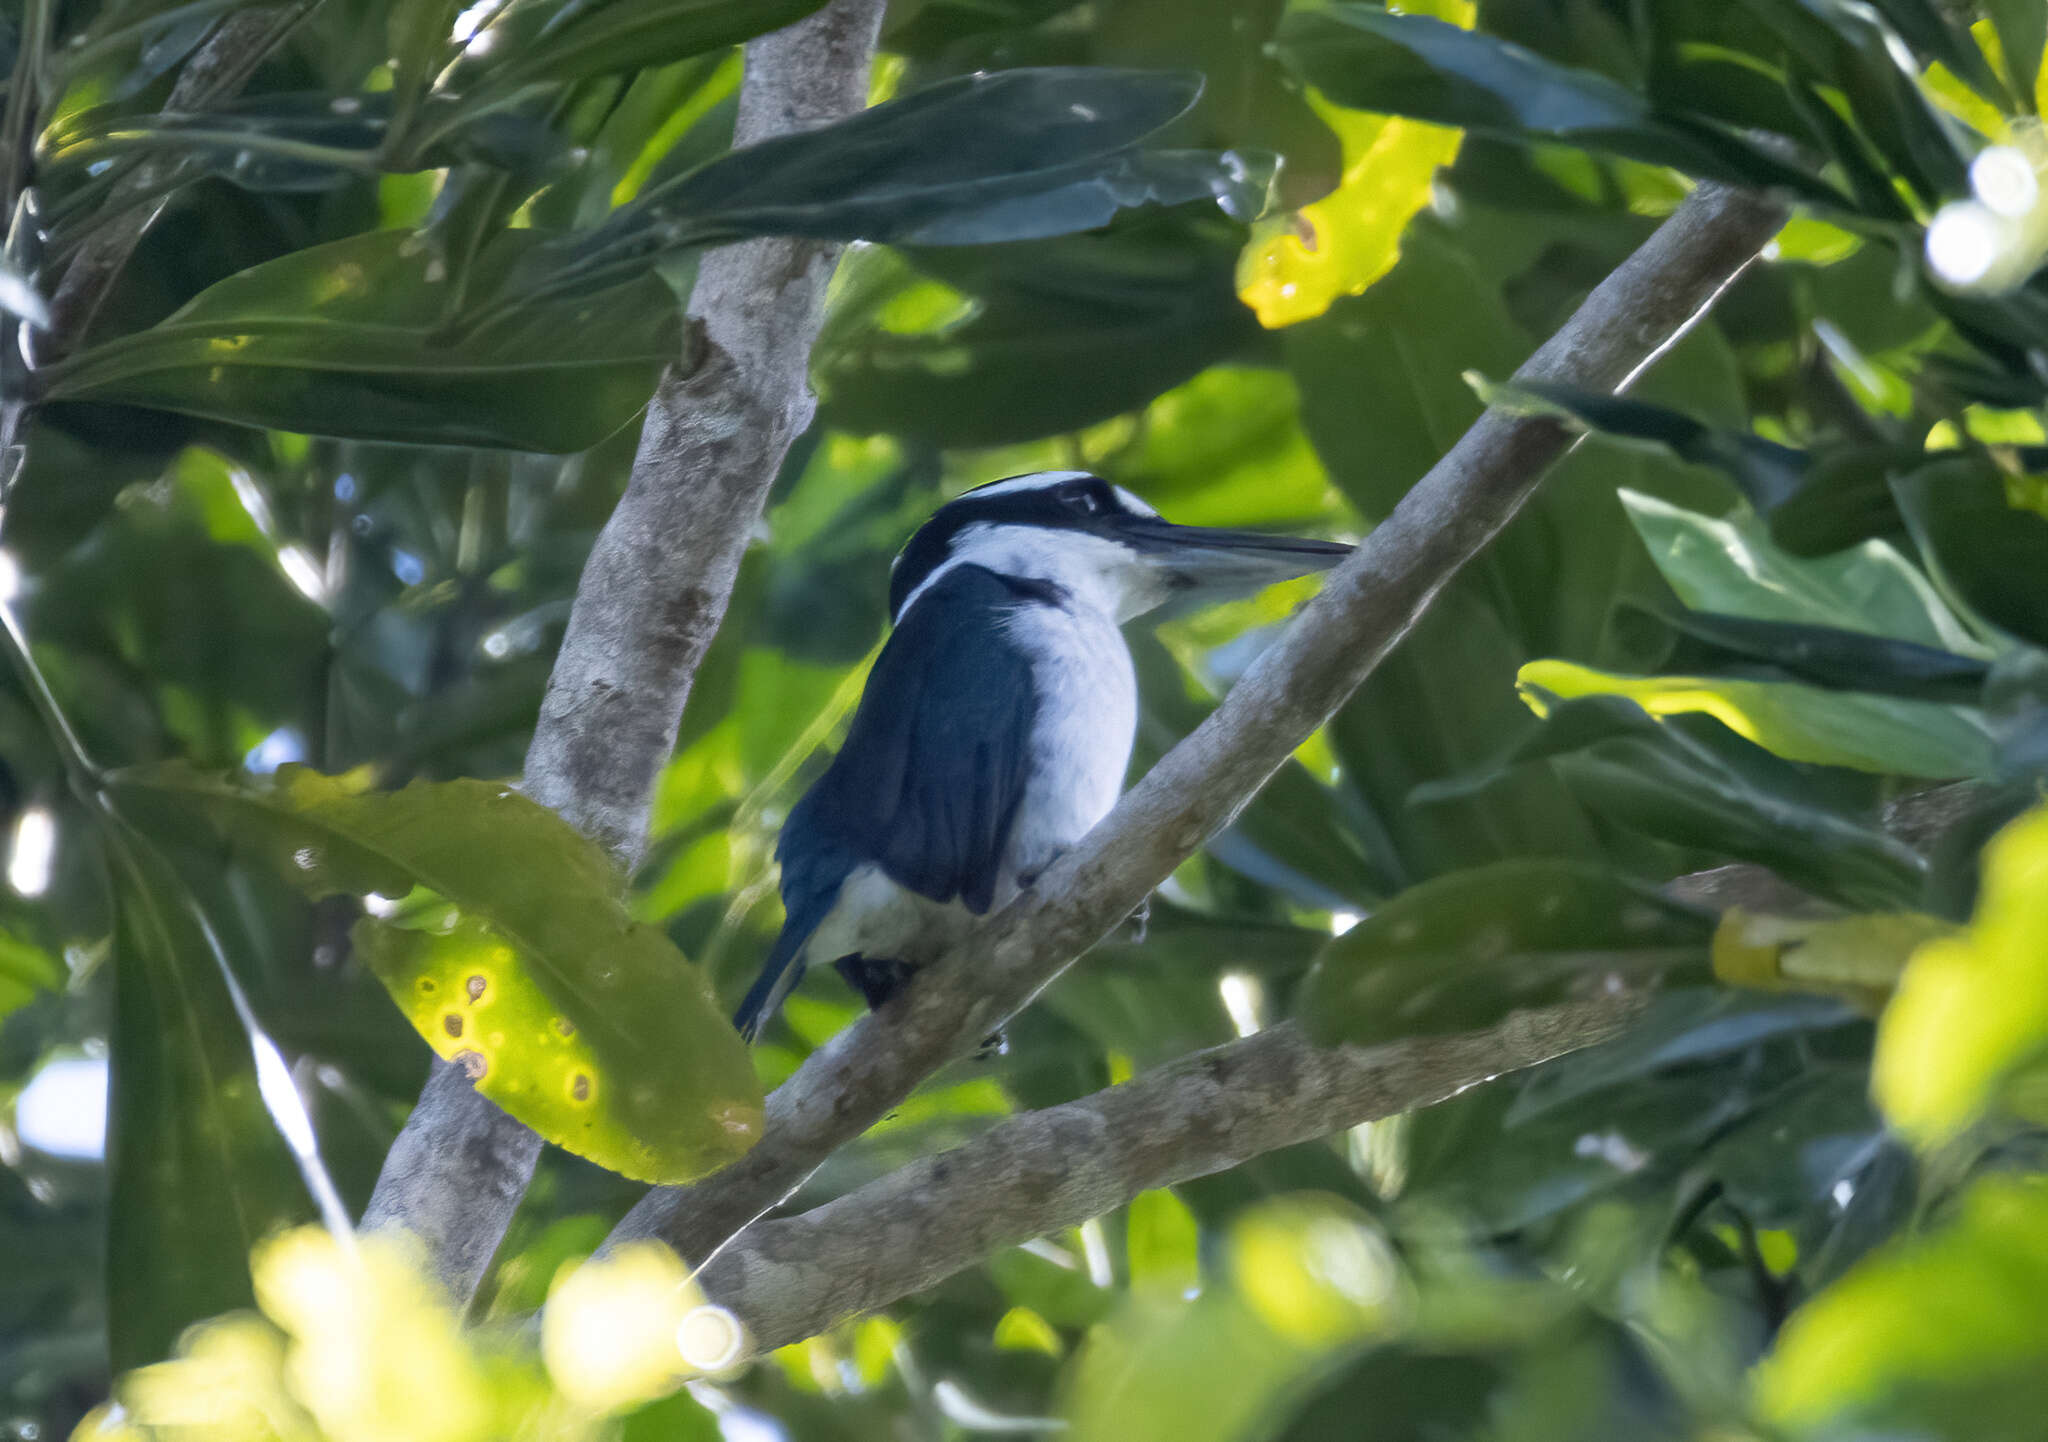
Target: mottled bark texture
{"points": [[650, 599], [1035, 1174], [1366, 605]]}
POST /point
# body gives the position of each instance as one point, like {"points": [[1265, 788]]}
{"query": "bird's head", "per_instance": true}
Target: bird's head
{"points": [[1100, 544]]}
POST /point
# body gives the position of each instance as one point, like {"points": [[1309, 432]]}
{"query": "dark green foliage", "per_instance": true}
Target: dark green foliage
{"points": [[316, 485]]}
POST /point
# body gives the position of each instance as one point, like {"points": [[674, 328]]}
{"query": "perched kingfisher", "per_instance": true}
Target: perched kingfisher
{"points": [[997, 724]]}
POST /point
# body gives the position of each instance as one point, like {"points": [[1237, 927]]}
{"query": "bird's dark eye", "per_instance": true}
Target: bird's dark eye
{"points": [[1081, 500]]}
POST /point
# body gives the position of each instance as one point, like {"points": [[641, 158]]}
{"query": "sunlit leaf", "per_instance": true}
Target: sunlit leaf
{"points": [[1295, 265], [25, 969], [375, 1351], [588, 1026], [1464, 950], [1864, 1348], [1164, 1243], [1858, 958], [1972, 1008], [1883, 734], [631, 1326]]}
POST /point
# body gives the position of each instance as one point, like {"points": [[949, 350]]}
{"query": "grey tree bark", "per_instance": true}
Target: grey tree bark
{"points": [[649, 601], [1034, 1174], [1366, 605]]}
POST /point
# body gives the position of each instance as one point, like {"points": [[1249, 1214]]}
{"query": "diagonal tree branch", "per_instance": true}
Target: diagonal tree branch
{"points": [[1366, 605], [793, 1277], [649, 601]]}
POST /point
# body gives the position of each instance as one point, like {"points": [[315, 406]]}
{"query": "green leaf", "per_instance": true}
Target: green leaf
{"points": [[1732, 566], [587, 1026], [1012, 155], [1864, 1348], [197, 1172], [1714, 644], [1463, 951], [25, 969], [1767, 472], [2023, 36], [347, 339], [1042, 336], [1374, 59], [1987, 549], [1882, 734], [1309, 1277], [1971, 1009], [542, 42], [1163, 1244]]}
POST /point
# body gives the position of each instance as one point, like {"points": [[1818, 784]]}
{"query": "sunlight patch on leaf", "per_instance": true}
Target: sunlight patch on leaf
{"points": [[1881, 734], [1294, 266], [1971, 1009]]}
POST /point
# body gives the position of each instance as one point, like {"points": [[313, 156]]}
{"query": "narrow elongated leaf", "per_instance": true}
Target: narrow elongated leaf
{"points": [[1823, 656], [584, 1024], [347, 339], [1375, 59], [538, 42], [1767, 472], [1018, 154], [1462, 951], [1883, 734], [198, 1174]]}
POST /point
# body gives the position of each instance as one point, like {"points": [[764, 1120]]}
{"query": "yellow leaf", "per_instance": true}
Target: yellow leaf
{"points": [[1295, 266], [1971, 1009], [1023, 1330], [1857, 958], [376, 1355], [632, 1326]]}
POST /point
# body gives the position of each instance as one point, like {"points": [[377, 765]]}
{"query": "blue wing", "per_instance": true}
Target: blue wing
{"points": [[931, 775], [935, 762]]}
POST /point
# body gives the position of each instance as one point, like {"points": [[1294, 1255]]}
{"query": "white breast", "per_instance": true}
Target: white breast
{"points": [[1087, 717]]}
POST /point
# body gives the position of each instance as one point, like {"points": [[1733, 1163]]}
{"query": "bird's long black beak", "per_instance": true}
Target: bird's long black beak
{"points": [[1212, 562]]}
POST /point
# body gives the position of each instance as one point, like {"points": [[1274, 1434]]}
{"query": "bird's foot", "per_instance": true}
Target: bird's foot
{"points": [[1141, 921], [878, 979], [995, 1044]]}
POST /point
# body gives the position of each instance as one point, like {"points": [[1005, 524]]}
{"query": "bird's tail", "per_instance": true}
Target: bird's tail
{"points": [[784, 969]]}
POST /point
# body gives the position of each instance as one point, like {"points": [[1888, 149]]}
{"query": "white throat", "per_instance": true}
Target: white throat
{"points": [[1096, 573]]}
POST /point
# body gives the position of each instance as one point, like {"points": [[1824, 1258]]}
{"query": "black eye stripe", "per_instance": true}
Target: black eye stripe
{"points": [[1046, 505]]}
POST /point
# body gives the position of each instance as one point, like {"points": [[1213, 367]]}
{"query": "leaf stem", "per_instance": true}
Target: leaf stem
{"points": [[86, 775]]}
